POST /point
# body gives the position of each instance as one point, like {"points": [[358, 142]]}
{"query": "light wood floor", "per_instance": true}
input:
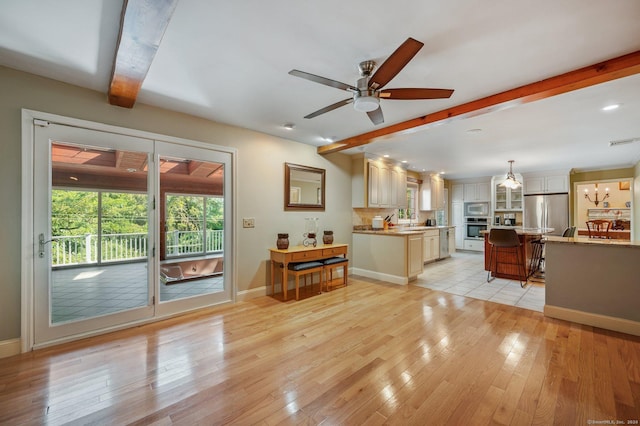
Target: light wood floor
{"points": [[369, 353]]}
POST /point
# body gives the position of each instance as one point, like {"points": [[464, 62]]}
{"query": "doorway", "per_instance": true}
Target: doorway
{"points": [[126, 228], [609, 200]]}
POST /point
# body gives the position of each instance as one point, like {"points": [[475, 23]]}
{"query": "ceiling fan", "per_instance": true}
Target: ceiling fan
{"points": [[367, 92]]}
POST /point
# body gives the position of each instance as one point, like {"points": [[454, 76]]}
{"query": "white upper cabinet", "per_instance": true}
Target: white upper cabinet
{"points": [[378, 184], [432, 193], [506, 199], [480, 191], [457, 193], [546, 184]]}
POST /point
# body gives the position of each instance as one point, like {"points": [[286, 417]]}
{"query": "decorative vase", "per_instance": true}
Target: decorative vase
{"points": [[327, 238], [283, 241]]}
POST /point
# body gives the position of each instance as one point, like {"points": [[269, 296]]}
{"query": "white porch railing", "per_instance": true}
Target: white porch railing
{"points": [[83, 249]]}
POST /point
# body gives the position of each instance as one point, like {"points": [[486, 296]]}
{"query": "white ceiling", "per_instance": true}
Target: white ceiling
{"points": [[228, 61]]}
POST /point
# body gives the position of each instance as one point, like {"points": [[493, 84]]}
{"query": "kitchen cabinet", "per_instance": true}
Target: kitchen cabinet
{"points": [[506, 199], [457, 220], [457, 193], [431, 245], [393, 257], [480, 191], [432, 193], [452, 240], [376, 183], [546, 184], [474, 245], [414, 250], [398, 186]]}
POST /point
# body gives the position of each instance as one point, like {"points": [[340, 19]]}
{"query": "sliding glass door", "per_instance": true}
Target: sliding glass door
{"points": [[92, 215], [194, 216], [126, 229]]}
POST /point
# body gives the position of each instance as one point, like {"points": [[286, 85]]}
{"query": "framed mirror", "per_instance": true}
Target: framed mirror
{"points": [[304, 187]]}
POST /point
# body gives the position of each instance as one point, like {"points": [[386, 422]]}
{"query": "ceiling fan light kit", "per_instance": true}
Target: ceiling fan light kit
{"points": [[366, 103], [368, 91]]}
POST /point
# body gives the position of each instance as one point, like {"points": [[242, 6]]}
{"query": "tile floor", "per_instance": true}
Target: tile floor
{"points": [[463, 274], [79, 293]]}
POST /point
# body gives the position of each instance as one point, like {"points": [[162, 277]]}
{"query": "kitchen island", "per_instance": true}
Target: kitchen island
{"points": [[507, 261], [395, 255], [594, 282]]}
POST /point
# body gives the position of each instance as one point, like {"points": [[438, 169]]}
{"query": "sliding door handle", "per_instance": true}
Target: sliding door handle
{"points": [[41, 243]]}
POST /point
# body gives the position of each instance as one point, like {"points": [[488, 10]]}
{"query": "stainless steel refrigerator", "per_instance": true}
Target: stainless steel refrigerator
{"points": [[547, 211]]}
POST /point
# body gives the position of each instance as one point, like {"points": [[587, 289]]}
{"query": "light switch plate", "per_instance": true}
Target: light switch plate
{"points": [[248, 222]]}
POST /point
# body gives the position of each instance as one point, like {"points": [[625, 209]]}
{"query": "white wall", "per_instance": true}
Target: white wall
{"points": [[260, 176]]}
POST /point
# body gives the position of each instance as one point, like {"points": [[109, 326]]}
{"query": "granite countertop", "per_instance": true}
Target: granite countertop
{"points": [[592, 241], [524, 231], [399, 230]]}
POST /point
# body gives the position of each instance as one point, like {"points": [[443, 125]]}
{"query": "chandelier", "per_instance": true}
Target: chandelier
{"points": [[511, 181], [596, 201]]}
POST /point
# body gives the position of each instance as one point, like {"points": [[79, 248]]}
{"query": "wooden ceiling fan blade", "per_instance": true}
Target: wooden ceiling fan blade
{"points": [[394, 63], [329, 108], [413, 93], [323, 80], [376, 116]]}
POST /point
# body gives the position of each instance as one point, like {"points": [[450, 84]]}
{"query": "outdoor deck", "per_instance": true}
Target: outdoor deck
{"points": [[90, 291]]}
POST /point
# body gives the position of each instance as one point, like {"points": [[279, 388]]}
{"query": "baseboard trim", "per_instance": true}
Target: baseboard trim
{"points": [[252, 293], [596, 320], [9, 348], [393, 279]]}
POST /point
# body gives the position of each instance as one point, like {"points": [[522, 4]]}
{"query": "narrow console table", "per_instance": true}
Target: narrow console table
{"points": [[302, 254]]}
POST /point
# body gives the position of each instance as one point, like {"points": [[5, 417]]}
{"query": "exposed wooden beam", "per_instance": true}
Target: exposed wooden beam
{"points": [[612, 69], [142, 25]]}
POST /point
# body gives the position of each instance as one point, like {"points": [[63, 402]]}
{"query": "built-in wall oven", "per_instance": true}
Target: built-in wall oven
{"points": [[474, 225]]}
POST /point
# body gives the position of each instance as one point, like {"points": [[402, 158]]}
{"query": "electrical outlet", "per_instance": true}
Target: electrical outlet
{"points": [[248, 222]]}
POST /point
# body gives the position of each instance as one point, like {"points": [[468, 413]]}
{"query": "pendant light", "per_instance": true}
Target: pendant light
{"points": [[511, 181]]}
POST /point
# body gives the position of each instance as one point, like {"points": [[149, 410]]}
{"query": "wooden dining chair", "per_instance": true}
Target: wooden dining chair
{"points": [[598, 228]]}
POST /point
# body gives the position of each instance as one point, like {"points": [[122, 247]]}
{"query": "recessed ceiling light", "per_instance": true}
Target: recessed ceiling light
{"points": [[289, 126], [330, 139], [386, 156], [404, 161], [611, 107]]}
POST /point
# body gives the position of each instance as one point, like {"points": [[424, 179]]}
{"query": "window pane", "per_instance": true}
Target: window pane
{"points": [[215, 224], [74, 227], [124, 226], [184, 224]]}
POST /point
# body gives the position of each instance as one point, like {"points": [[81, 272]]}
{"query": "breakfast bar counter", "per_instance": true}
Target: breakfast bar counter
{"points": [[507, 262], [593, 281]]}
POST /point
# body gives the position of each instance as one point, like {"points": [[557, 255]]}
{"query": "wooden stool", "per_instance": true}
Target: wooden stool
{"points": [[304, 268], [333, 263]]}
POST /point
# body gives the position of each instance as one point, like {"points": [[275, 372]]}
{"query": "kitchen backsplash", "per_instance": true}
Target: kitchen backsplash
{"points": [[364, 217]]}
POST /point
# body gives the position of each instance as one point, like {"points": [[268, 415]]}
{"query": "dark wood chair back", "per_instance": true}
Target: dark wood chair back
{"points": [[598, 228], [504, 237]]}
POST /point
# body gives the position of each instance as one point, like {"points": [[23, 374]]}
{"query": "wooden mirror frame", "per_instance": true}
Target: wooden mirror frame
{"points": [[288, 204]]}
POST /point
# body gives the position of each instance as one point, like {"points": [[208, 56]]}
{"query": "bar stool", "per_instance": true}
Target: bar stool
{"points": [[505, 240], [537, 257]]}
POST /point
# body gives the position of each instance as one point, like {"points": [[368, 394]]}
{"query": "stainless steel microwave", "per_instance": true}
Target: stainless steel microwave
{"points": [[476, 209]]}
